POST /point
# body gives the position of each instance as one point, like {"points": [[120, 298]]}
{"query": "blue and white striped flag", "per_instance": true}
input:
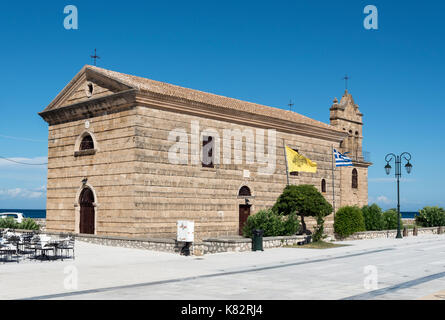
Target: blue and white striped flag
{"points": [[342, 160]]}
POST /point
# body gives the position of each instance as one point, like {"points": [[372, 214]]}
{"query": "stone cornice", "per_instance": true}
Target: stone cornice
{"points": [[91, 108], [173, 104], [348, 120], [133, 97]]}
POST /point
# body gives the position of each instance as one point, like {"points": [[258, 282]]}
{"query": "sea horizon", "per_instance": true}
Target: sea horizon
{"points": [[28, 213]]}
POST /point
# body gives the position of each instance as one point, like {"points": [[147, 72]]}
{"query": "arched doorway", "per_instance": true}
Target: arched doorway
{"points": [[244, 209], [87, 216]]}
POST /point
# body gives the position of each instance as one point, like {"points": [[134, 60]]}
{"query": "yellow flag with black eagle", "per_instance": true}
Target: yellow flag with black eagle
{"points": [[297, 162]]}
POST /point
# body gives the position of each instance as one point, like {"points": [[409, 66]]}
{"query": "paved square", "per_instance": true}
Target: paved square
{"points": [[411, 268]]}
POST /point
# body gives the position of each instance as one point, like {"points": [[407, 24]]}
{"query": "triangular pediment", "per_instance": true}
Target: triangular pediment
{"points": [[87, 85]]}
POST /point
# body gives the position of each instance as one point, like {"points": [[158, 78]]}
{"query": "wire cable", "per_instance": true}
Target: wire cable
{"points": [[23, 163]]}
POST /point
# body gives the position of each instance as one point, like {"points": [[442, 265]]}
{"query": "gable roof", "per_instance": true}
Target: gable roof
{"points": [[170, 90]]}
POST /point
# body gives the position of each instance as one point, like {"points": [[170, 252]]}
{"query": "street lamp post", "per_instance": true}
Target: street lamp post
{"points": [[398, 162]]}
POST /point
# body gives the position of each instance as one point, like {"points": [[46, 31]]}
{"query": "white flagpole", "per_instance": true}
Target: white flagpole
{"points": [[285, 161]]}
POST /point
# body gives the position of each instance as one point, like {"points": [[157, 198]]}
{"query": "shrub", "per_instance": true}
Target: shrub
{"points": [[349, 220], [271, 223], [373, 217], [28, 224], [305, 200], [291, 224], [431, 217], [8, 223], [390, 220], [319, 229]]}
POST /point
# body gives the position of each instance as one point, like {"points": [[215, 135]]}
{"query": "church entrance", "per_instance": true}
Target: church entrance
{"points": [[244, 213], [87, 218]]}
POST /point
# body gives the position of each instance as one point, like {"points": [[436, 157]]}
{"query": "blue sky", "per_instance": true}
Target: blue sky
{"points": [[265, 52]]}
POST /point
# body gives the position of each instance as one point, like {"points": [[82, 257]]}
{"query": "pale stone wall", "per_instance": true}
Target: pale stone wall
{"points": [[390, 233], [139, 193], [165, 192], [349, 195], [110, 174]]}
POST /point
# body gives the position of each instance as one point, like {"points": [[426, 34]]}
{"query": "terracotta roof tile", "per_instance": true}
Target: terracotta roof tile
{"points": [[163, 88]]}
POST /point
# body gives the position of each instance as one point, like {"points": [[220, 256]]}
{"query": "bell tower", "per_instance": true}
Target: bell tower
{"points": [[346, 116]]}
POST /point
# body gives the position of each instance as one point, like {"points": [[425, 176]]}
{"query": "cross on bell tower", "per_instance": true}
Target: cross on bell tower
{"points": [[346, 78], [95, 57]]}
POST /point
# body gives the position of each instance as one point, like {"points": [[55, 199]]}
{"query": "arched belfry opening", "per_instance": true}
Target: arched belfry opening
{"points": [[87, 212]]}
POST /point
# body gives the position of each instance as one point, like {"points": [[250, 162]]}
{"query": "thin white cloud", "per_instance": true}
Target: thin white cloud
{"points": [[22, 193], [384, 200]]}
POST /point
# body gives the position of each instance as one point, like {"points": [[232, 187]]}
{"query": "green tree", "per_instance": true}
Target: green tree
{"points": [[431, 217], [373, 216], [305, 200], [349, 220]]}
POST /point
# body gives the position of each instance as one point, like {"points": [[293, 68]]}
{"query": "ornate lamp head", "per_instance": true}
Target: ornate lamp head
{"points": [[388, 168], [408, 167]]}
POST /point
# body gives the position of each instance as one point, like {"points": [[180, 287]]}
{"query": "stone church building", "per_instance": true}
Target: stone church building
{"points": [[129, 156]]}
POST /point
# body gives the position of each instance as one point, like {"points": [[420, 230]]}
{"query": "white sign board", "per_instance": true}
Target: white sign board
{"points": [[186, 231]]}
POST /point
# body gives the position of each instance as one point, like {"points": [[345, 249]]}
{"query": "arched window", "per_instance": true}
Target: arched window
{"points": [[87, 143], [354, 179], [244, 192], [207, 152], [323, 185]]}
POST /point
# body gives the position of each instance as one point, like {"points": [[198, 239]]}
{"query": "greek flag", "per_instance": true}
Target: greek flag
{"points": [[342, 160]]}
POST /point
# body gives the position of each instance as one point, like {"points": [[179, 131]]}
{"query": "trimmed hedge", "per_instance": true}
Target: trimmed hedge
{"points": [[373, 217], [390, 220], [349, 220], [272, 224]]}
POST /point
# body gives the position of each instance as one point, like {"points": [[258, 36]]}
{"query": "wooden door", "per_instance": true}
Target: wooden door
{"points": [[87, 218], [244, 213]]}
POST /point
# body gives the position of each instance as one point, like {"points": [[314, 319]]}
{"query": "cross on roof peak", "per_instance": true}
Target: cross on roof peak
{"points": [[290, 105], [95, 57]]}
